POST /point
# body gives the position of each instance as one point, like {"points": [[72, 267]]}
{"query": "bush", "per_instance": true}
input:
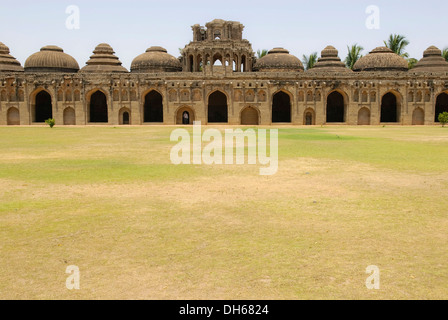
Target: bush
{"points": [[50, 122], [443, 118]]}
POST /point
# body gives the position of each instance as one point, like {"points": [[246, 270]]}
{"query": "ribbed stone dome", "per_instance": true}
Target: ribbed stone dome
{"points": [[7, 62], [381, 59], [103, 60], [432, 61], [155, 59], [329, 62], [51, 59], [279, 60]]}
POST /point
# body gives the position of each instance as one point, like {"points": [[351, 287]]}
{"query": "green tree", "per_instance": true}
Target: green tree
{"points": [[445, 54], [354, 54], [443, 118], [310, 61], [262, 53], [51, 122], [398, 43], [412, 62]]}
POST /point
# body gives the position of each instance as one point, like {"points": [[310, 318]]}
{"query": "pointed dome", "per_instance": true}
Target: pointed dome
{"points": [[381, 59], [432, 61], [155, 59], [51, 59], [103, 60], [7, 62], [330, 62], [279, 60]]}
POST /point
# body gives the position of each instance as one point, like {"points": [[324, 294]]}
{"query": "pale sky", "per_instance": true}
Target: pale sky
{"points": [[302, 27]]}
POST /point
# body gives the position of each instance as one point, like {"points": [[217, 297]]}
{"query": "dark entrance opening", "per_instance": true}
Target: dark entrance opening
{"points": [[43, 110], [217, 108], [186, 118], [153, 109], [389, 109], [441, 105], [281, 107], [335, 108], [98, 108], [309, 119], [126, 117]]}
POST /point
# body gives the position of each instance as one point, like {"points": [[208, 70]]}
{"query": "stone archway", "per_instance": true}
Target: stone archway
{"points": [[418, 117], [309, 117], [124, 116], [185, 116], [43, 108], [364, 117], [98, 111], [335, 108], [250, 117], [13, 117], [153, 108], [390, 109], [69, 117], [281, 108], [441, 105], [217, 108]]}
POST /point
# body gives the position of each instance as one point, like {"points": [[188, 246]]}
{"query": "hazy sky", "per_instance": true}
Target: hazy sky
{"points": [[302, 27]]}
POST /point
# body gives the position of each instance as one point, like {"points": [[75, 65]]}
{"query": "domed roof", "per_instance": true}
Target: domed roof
{"points": [[103, 60], [279, 60], [330, 62], [7, 62], [155, 59], [432, 61], [51, 59], [381, 59]]}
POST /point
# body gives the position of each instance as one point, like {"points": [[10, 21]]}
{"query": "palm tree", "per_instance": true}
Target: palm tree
{"points": [[398, 43], [354, 54], [262, 53], [412, 62], [445, 54], [310, 61]]}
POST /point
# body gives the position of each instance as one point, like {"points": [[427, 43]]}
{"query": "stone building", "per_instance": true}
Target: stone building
{"points": [[218, 80]]}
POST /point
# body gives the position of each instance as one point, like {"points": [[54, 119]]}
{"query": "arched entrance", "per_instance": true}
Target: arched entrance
{"points": [[13, 117], [441, 105], [69, 117], [281, 108], [153, 108], [249, 117], [364, 117], [43, 109], [309, 117], [124, 116], [98, 112], [185, 116], [217, 108], [418, 117], [335, 108], [389, 108]]}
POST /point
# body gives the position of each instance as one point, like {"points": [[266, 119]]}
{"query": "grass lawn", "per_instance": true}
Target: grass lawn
{"points": [[109, 201]]}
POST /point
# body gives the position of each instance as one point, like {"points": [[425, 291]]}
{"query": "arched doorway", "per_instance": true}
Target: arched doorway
{"points": [[389, 108], [249, 117], [185, 116], [43, 107], [69, 117], [153, 108], [364, 117], [441, 105], [309, 117], [418, 117], [217, 108], [281, 108], [13, 117], [335, 108], [124, 116], [98, 108]]}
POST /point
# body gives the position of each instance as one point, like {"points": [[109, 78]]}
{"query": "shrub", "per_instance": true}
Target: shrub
{"points": [[443, 118], [50, 122]]}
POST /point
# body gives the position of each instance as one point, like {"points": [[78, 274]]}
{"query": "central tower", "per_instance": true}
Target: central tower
{"points": [[218, 48]]}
